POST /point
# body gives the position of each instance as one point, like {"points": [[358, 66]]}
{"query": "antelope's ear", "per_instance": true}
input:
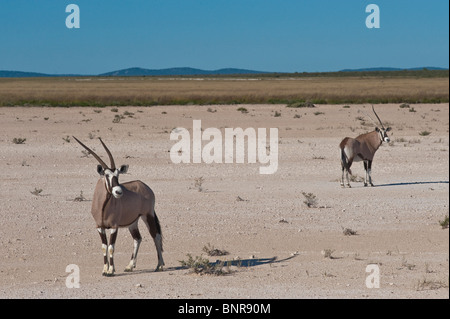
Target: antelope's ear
{"points": [[388, 129], [100, 170], [123, 169], [377, 129]]}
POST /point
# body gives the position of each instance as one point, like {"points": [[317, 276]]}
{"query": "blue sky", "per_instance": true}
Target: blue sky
{"points": [[265, 35]]}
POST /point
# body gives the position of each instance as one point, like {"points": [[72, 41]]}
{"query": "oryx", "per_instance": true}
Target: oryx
{"points": [[117, 205], [362, 148]]}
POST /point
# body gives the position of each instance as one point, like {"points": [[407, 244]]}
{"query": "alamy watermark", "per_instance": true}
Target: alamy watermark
{"points": [[373, 279], [73, 19], [373, 19], [226, 148], [73, 279]]}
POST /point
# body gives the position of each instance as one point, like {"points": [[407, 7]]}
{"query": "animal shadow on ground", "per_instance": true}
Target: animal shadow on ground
{"points": [[411, 183], [247, 263]]}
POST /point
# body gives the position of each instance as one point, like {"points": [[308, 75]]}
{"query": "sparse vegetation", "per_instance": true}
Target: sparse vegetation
{"points": [[19, 140], [198, 182], [424, 133], [80, 198], [243, 110], [444, 223], [118, 118], [129, 114], [407, 265], [310, 200], [36, 191], [427, 284], [297, 104], [202, 266], [212, 251], [348, 232], [355, 178], [320, 88], [328, 253]]}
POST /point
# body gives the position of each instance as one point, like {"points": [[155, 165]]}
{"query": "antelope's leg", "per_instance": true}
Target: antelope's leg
{"points": [[366, 171], [134, 231], [342, 178], [154, 228], [102, 233], [349, 164], [369, 171], [112, 242]]}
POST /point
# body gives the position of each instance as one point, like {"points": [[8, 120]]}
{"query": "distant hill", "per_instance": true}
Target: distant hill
{"points": [[392, 69], [19, 74], [184, 71], [177, 71]]}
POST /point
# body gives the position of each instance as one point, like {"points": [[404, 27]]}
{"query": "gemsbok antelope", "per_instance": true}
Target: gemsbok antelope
{"points": [[362, 148], [117, 205]]}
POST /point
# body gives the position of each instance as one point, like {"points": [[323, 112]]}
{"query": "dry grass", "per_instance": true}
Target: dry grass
{"points": [[146, 91]]}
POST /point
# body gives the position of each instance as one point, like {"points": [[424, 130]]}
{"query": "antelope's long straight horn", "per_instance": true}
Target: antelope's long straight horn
{"points": [[111, 159], [93, 154], [373, 109], [370, 118]]}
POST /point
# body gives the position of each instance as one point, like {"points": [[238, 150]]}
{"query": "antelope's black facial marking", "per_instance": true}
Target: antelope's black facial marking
{"points": [[383, 134], [112, 179], [112, 182]]}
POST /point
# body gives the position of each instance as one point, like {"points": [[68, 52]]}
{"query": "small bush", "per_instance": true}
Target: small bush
{"points": [[19, 140], [202, 266], [198, 183], [349, 232], [36, 191], [444, 223], [118, 118], [424, 133], [211, 251], [327, 253], [80, 198], [297, 105], [310, 200]]}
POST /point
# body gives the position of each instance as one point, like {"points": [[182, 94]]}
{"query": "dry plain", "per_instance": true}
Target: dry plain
{"points": [[261, 220]]}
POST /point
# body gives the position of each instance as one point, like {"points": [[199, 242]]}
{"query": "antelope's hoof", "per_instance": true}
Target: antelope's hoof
{"points": [[372, 185], [365, 184], [159, 269], [349, 186], [128, 269], [110, 272]]}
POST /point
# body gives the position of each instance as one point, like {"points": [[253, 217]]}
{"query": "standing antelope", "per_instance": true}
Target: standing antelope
{"points": [[117, 205], [362, 148]]}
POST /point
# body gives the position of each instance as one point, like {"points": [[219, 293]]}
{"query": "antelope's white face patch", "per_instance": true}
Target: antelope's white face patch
{"points": [[383, 135], [112, 182]]}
